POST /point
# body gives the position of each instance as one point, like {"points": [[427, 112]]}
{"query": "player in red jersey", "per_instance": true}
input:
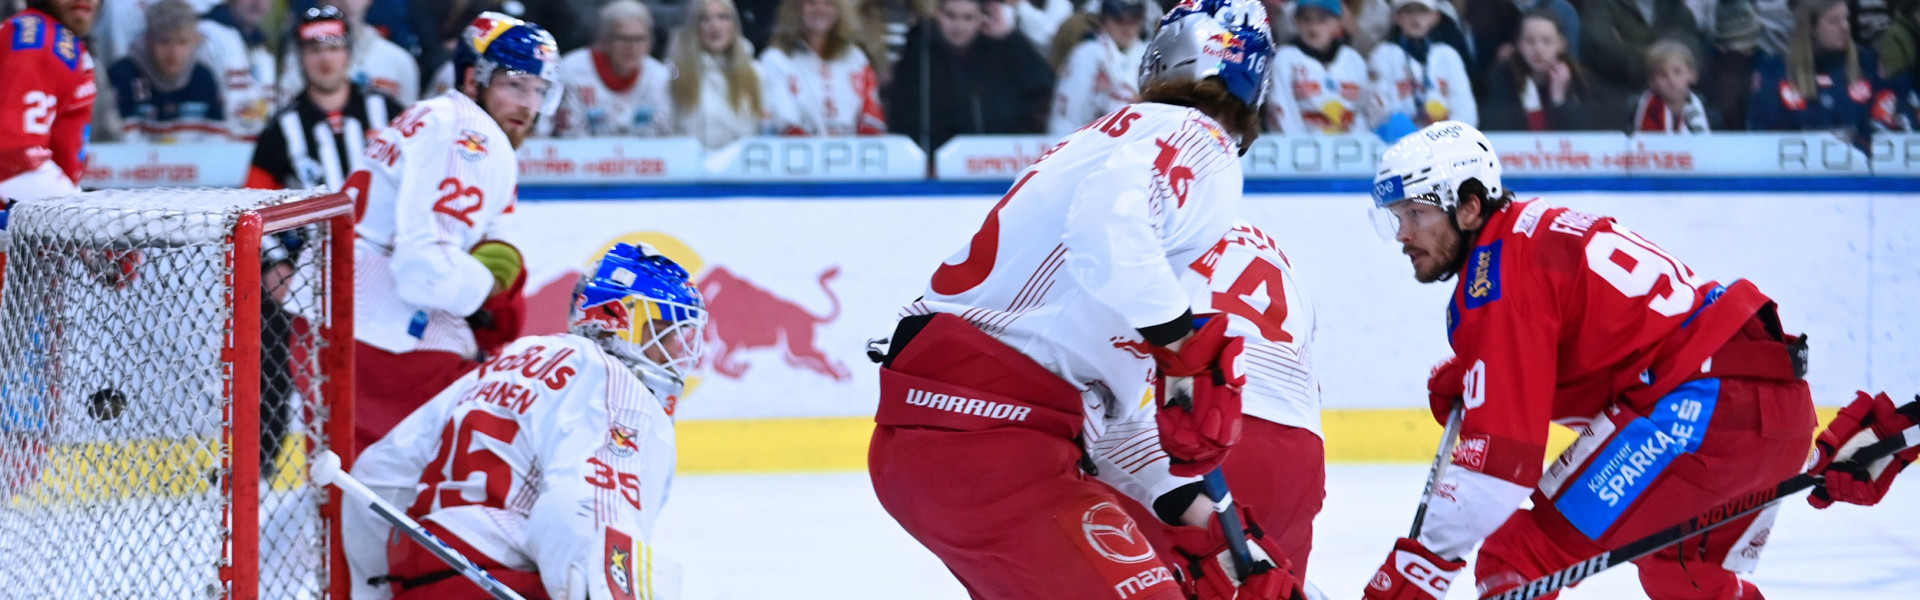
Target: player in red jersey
{"points": [[1685, 390], [46, 98]]}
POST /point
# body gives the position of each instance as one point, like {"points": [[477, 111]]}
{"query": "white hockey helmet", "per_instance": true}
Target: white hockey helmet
{"points": [[1428, 167]]}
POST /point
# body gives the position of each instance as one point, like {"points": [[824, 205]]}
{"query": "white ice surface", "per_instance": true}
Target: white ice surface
{"points": [[800, 537]]}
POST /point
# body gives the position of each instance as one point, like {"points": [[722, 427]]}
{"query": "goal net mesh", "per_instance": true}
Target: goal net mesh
{"points": [[120, 353]]}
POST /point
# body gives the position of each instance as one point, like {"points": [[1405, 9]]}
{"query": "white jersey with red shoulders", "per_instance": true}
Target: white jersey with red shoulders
{"points": [[550, 457], [1096, 79], [1094, 241], [1309, 97], [1251, 281], [436, 183], [597, 105], [807, 94]]}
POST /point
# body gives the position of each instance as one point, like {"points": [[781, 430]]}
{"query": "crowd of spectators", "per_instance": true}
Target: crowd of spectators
{"points": [[720, 70]]}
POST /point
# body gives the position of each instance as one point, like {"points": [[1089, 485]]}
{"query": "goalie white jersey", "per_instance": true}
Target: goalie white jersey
{"points": [[437, 182], [1251, 281], [1097, 239], [550, 457]]}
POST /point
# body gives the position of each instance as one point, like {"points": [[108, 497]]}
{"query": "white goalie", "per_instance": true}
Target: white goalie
{"points": [[548, 464]]}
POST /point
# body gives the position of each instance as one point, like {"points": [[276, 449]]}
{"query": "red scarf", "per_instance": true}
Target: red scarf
{"points": [[614, 82]]}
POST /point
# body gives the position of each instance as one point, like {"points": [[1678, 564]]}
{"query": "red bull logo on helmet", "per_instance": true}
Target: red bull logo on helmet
{"points": [[1227, 46], [487, 28], [612, 315]]}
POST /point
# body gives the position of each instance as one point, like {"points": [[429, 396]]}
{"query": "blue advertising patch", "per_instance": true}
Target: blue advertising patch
{"points": [[1636, 456], [1453, 320], [29, 32], [1388, 191], [66, 47], [1483, 285]]}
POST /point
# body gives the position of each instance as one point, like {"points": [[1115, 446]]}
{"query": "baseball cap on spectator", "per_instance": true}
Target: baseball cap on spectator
{"points": [[1399, 4], [1127, 9], [322, 25], [1331, 6]]}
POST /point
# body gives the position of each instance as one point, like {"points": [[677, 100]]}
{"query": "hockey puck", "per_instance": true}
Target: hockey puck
{"points": [[106, 404]]}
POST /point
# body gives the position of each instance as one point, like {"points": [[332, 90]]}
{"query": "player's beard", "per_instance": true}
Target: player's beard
{"points": [[1442, 262]]}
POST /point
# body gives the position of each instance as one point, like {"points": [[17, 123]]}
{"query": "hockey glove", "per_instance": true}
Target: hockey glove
{"points": [[1863, 422], [1210, 570], [1413, 572], [1199, 389], [1446, 384], [498, 322]]}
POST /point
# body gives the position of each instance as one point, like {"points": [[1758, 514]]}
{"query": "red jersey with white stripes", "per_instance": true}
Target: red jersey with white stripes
{"points": [[1559, 314], [46, 95], [1098, 238], [550, 457], [1251, 282]]}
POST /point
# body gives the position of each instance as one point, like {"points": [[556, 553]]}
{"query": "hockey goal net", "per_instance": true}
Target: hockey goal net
{"points": [[169, 360]]}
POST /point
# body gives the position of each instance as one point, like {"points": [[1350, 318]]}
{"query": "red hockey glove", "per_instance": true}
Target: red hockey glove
{"points": [[1446, 384], [1209, 565], [1199, 392], [1413, 572], [500, 318], [1863, 422]]}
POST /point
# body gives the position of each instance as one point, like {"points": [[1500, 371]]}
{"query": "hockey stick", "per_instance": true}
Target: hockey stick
{"points": [[1440, 463], [1230, 525], [1717, 516], [326, 471]]}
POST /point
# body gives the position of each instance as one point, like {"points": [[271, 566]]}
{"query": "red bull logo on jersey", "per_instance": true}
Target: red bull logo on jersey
{"points": [[623, 440], [471, 145]]}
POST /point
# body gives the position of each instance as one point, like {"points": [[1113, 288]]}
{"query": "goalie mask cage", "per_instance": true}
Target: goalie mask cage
{"points": [[169, 361]]}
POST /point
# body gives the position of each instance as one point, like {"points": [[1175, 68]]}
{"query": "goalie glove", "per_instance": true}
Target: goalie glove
{"points": [[1209, 568], [1865, 421], [1199, 388]]}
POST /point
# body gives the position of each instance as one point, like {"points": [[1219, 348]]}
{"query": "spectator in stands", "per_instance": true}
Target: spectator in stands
{"points": [[315, 140], [891, 20], [716, 87], [1614, 35], [1319, 83], [378, 64], [1669, 104], [1541, 88], [1418, 80], [164, 95], [235, 47], [615, 87], [1825, 82], [817, 76], [1900, 42], [1101, 74], [1039, 20], [1735, 31], [1375, 25], [1367, 22], [1495, 26], [1870, 19], [965, 80]]}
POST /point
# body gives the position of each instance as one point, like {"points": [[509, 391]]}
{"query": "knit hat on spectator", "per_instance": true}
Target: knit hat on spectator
{"points": [[322, 25], [1331, 6], [1123, 9], [1736, 25]]}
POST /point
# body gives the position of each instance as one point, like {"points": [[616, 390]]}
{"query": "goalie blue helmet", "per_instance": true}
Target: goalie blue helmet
{"points": [[1225, 39], [644, 309], [495, 42]]}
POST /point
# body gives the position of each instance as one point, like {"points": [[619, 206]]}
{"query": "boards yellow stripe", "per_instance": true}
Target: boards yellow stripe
{"points": [[840, 443]]}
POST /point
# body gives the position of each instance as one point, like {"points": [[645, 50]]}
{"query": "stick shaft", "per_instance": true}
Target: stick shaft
{"points": [[360, 494], [1440, 463], [1230, 525], [1719, 515]]}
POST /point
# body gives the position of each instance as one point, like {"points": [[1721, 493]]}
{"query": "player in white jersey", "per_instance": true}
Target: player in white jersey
{"points": [[1030, 362], [1099, 76], [436, 288], [1320, 83], [1278, 469], [614, 87], [549, 464]]}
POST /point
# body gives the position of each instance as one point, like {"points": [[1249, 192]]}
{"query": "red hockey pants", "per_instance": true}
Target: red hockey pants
{"points": [[972, 455], [387, 387]]}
